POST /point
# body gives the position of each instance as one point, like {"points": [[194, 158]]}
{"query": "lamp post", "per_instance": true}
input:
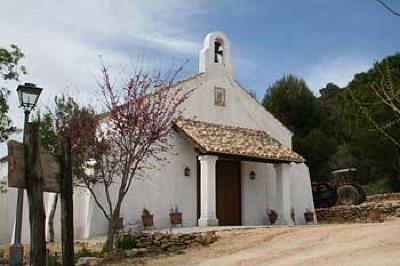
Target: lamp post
{"points": [[28, 95]]}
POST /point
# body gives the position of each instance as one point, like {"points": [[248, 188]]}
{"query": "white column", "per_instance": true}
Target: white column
{"points": [[208, 190], [283, 189], [272, 194]]}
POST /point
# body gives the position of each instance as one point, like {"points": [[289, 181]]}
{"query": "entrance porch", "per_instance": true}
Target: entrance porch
{"points": [[232, 191], [242, 173]]}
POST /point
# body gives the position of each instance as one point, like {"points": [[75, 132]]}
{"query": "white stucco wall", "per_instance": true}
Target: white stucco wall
{"points": [[81, 200], [240, 109], [8, 201], [301, 192], [261, 194], [8, 208], [158, 191], [254, 193]]}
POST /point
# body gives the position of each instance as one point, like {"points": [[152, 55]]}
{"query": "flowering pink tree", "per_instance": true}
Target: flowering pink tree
{"points": [[132, 136]]}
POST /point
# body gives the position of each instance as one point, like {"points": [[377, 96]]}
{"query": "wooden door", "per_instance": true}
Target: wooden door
{"points": [[228, 200]]}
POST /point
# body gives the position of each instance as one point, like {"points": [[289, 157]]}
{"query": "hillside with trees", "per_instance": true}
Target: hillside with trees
{"points": [[357, 126]]}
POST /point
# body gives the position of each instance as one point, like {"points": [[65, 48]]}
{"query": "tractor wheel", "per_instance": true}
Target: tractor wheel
{"points": [[363, 195], [348, 195]]}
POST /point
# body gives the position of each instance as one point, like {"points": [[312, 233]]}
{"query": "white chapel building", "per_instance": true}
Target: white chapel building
{"points": [[234, 161]]}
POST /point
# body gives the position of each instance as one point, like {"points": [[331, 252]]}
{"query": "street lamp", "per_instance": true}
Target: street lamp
{"points": [[28, 95]]}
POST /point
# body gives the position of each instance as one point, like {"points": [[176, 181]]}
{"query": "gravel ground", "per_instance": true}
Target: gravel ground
{"points": [[333, 245]]}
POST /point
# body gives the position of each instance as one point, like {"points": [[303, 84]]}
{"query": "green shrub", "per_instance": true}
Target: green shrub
{"points": [[84, 252], [105, 249], [3, 187], [380, 186], [52, 259], [125, 241]]}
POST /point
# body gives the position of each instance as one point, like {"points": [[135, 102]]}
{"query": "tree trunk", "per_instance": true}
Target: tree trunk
{"points": [[51, 218], [67, 211], [34, 187], [112, 227], [110, 236]]}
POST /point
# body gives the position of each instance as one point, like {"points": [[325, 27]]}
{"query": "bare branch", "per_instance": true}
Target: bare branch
{"points": [[367, 114], [388, 95], [132, 136], [389, 8], [96, 200]]}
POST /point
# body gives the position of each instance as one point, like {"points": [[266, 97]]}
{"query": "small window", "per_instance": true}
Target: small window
{"points": [[218, 52], [219, 96]]}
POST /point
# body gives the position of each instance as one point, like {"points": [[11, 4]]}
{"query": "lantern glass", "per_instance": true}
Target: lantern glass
{"points": [[252, 175], [28, 95], [187, 171]]}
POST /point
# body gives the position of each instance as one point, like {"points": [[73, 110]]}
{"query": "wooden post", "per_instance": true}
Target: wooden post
{"points": [[67, 218], [34, 187], [16, 256]]}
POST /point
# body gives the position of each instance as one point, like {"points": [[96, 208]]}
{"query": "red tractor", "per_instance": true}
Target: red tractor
{"points": [[339, 191]]}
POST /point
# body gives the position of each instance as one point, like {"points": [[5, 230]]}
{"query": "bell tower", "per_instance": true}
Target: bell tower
{"points": [[216, 56]]}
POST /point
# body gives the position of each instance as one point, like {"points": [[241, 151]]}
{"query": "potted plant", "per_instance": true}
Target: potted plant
{"points": [[175, 216], [272, 216], [309, 216], [147, 218]]}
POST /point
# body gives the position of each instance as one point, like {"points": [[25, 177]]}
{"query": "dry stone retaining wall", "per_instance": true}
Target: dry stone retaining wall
{"points": [[170, 242], [358, 213], [146, 242], [382, 197]]}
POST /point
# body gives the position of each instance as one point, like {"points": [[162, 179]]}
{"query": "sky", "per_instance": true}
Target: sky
{"points": [[66, 41]]}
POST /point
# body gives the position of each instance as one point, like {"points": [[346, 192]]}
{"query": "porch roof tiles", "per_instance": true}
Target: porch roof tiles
{"points": [[221, 139]]}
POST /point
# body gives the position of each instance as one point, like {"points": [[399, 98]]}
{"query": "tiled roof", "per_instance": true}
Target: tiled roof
{"points": [[228, 140]]}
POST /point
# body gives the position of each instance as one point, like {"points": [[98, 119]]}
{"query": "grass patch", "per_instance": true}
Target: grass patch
{"points": [[380, 186], [84, 252], [52, 259]]}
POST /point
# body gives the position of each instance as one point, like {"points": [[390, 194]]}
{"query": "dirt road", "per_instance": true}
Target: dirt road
{"points": [[351, 244]]}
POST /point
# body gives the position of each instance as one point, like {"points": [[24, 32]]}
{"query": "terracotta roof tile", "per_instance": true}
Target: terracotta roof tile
{"points": [[229, 140]]}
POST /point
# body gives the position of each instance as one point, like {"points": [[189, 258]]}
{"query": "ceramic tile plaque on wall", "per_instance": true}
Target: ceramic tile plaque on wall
{"points": [[219, 96]]}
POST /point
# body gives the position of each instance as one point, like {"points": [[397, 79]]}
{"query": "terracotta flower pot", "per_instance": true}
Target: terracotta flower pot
{"points": [[148, 220], [309, 216], [175, 217]]}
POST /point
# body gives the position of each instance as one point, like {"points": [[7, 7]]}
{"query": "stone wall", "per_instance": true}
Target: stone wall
{"points": [[171, 242], [146, 243], [366, 212], [382, 197]]}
